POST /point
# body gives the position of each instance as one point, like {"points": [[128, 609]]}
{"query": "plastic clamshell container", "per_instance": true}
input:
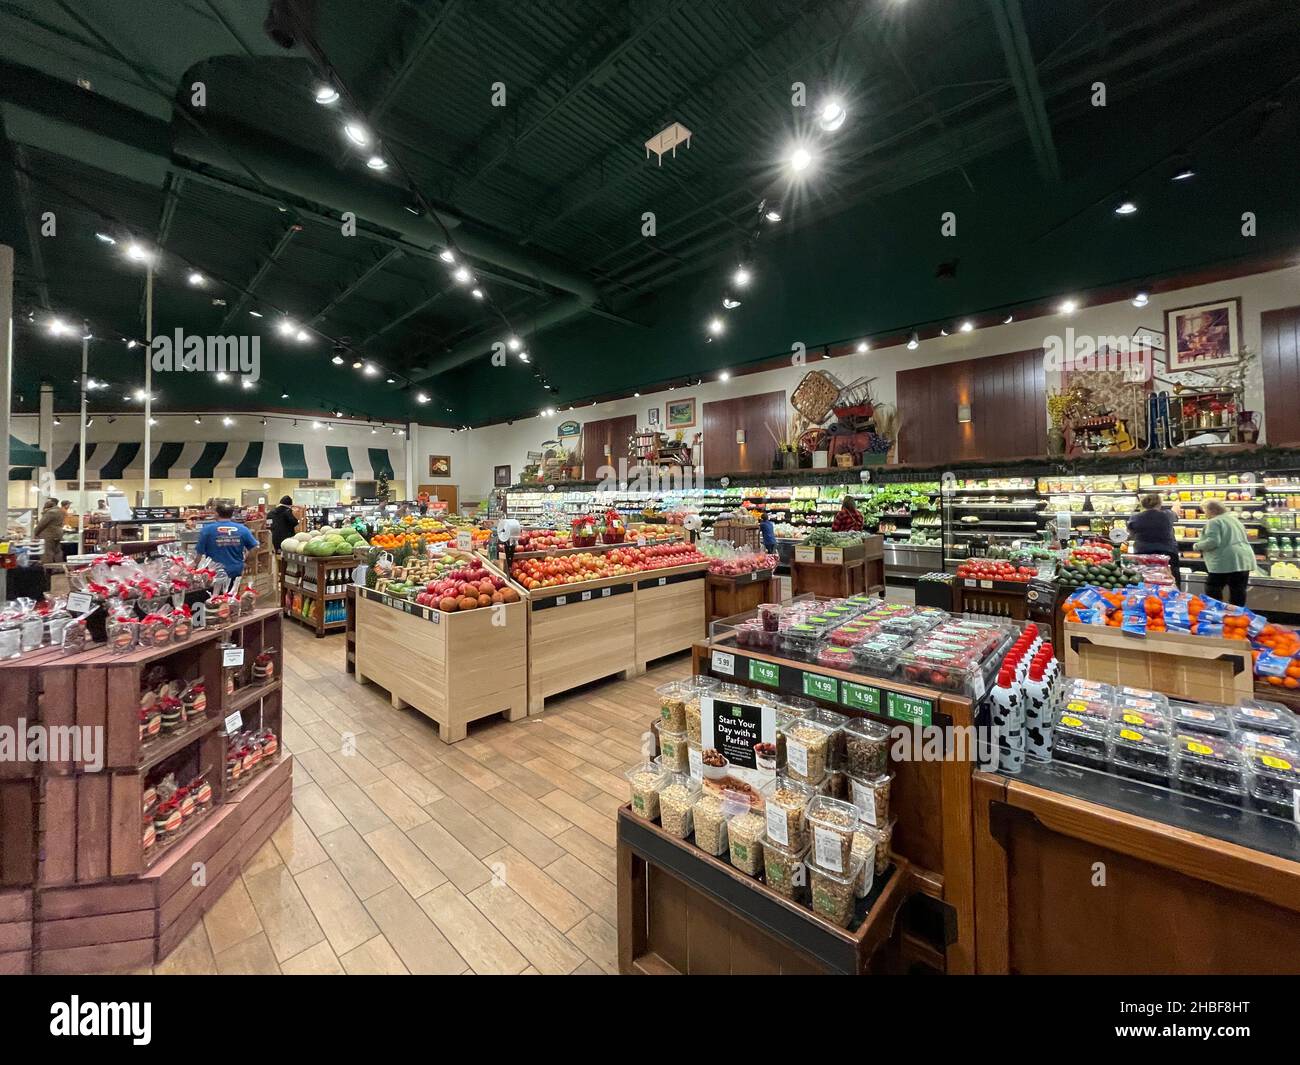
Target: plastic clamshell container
{"points": [[644, 782], [866, 748], [1143, 695], [1092, 689], [769, 616], [1274, 780], [884, 836], [1209, 766], [835, 656], [955, 671], [785, 805], [1147, 720], [801, 642], [1082, 705], [1209, 718], [676, 802], [808, 749], [831, 823], [834, 894], [879, 655], [672, 705], [785, 868], [674, 755], [1141, 754], [1080, 740], [1284, 746], [1142, 704], [1259, 715]]}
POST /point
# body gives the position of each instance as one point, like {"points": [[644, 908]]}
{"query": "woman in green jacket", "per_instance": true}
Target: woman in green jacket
{"points": [[1229, 558]]}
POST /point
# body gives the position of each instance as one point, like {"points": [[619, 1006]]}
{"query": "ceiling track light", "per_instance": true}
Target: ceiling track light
{"points": [[377, 162], [741, 277], [105, 238], [832, 116], [326, 95], [800, 160], [357, 134], [1126, 207], [337, 360], [967, 326], [772, 214], [716, 326], [462, 275], [447, 255], [1008, 319], [913, 342], [730, 303], [863, 346], [1141, 299], [195, 278]]}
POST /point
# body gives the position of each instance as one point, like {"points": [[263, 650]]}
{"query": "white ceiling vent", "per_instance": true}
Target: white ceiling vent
{"points": [[667, 141]]}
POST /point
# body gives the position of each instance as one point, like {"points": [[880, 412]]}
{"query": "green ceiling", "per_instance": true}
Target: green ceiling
{"points": [[981, 107]]}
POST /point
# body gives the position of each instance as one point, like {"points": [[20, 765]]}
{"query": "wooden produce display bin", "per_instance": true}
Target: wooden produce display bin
{"points": [[670, 612], [1204, 668], [725, 597], [1194, 886], [1003, 599], [452, 667], [682, 911], [858, 569]]}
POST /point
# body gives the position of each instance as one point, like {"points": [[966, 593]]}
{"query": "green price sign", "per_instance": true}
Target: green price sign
{"points": [[820, 687], [764, 672], [860, 697], [909, 708]]}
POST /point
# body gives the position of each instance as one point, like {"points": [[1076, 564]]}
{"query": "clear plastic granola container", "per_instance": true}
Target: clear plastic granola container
{"points": [[1209, 766], [785, 804], [866, 748], [1081, 740], [1260, 715], [871, 797], [1274, 781], [785, 869], [676, 802], [644, 782], [710, 823], [808, 747], [674, 755], [884, 836], [672, 705], [834, 894], [1209, 718], [745, 832], [864, 850], [836, 721], [1141, 754], [831, 824]]}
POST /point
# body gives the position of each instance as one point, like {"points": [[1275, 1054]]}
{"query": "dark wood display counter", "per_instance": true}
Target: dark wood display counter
{"points": [[1081, 872], [931, 798], [725, 597], [682, 911]]}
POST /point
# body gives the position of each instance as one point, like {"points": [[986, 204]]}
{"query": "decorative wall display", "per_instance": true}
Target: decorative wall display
{"points": [[569, 428], [1205, 335], [439, 465], [501, 476], [653, 416], [679, 413]]}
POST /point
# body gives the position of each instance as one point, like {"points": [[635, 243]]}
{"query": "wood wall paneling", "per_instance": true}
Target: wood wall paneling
{"points": [[1280, 362], [613, 432], [754, 414], [1007, 395]]}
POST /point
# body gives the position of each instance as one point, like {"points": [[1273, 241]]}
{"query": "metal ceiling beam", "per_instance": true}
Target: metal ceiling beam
{"points": [[408, 314], [432, 27], [369, 272], [1010, 23], [629, 39], [264, 268], [23, 204]]}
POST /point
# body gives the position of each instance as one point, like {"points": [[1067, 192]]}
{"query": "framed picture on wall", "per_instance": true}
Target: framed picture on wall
{"points": [[439, 465], [679, 413], [501, 476], [653, 416], [1205, 335]]}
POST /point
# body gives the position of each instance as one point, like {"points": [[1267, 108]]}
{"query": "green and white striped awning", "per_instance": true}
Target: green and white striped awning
{"points": [[202, 460]]}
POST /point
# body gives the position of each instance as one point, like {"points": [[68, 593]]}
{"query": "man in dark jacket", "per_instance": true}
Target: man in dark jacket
{"points": [[1152, 529], [283, 522]]}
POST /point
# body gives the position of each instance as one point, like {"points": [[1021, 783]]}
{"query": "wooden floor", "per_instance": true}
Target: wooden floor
{"points": [[407, 855]]}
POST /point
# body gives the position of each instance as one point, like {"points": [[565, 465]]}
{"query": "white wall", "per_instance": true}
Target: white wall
{"points": [[500, 444]]}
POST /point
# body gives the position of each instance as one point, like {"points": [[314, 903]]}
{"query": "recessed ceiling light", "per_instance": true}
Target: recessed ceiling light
{"points": [[1069, 306], [863, 346], [326, 95], [741, 277], [729, 303], [421, 397], [636, 395], [1183, 174], [832, 116], [514, 343], [389, 381], [447, 255], [196, 278], [913, 342], [1127, 207], [1141, 299], [462, 275], [357, 134], [139, 393], [227, 420], [198, 420], [371, 369], [285, 327], [302, 336], [256, 314], [248, 384], [967, 326], [337, 360], [315, 425], [356, 364], [773, 215], [377, 162], [724, 376], [222, 375], [477, 293], [800, 160], [716, 326]]}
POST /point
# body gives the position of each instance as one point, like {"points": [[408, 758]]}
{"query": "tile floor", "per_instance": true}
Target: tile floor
{"points": [[407, 855]]}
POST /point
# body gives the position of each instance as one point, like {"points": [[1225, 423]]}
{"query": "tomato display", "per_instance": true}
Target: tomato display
{"points": [[995, 569]]}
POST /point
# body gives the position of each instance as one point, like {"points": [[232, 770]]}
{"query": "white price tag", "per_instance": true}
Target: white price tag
{"points": [[234, 723], [977, 685], [833, 555], [723, 663], [663, 581], [560, 600], [797, 755], [232, 656], [986, 584], [776, 825], [465, 541], [696, 758], [805, 554], [80, 602], [604, 592], [864, 798], [640, 541], [828, 849], [586, 596]]}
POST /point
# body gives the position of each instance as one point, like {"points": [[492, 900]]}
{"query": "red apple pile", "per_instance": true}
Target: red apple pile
{"points": [[467, 588]]}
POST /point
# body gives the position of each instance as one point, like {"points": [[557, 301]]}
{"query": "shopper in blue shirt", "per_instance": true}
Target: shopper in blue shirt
{"points": [[768, 532], [225, 540]]}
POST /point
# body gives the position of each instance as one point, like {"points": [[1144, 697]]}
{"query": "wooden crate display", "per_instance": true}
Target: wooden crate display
{"points": [[452, 667], [17, 832], [15, 932], [670, 613], [1204, 668], [725, 597]]}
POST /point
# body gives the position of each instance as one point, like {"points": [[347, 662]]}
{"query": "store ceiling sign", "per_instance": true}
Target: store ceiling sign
{"points": [[315, 484], [569, 428]]}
